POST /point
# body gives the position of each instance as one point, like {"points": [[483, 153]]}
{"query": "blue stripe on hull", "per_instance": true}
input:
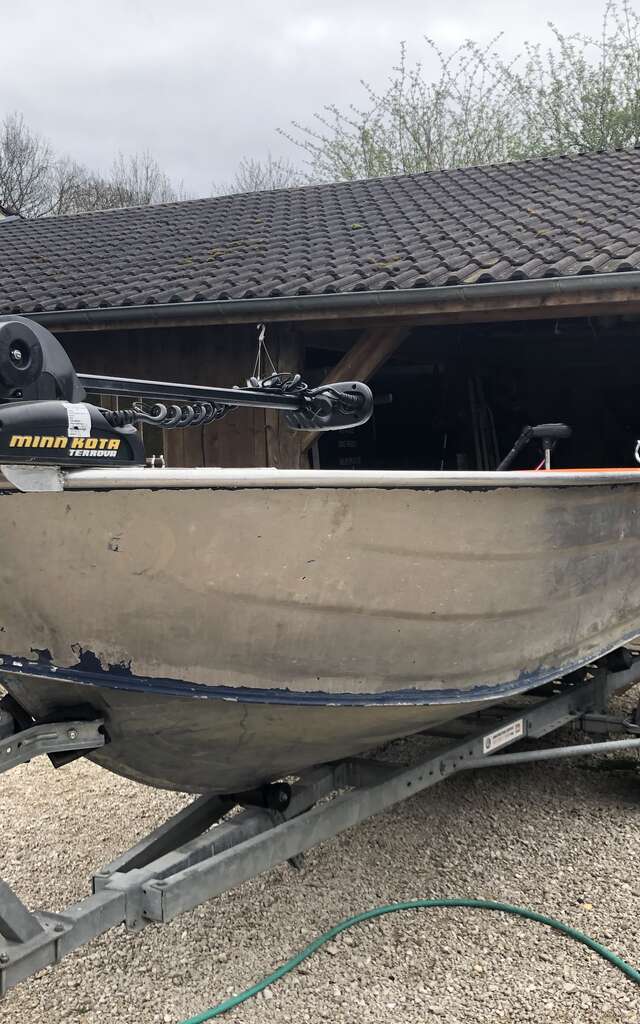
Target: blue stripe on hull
{"points": [[120, 678]]}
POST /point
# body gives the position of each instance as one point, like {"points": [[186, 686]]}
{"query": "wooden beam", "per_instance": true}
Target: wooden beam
{"points": [[362, 361]]}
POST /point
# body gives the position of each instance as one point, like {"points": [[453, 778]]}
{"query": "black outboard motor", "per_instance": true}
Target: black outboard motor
{"points": [[44, 419]]}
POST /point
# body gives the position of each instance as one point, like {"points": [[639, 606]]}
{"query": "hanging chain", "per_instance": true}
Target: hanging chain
{"points": [[262, 350], [290, 382]]}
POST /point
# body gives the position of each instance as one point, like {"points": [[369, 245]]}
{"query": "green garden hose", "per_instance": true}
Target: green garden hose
{"points": [[391, 908]]}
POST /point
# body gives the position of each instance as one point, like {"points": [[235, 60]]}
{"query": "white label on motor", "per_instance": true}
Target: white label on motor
{"points": [[501, 737], [79, 419]]}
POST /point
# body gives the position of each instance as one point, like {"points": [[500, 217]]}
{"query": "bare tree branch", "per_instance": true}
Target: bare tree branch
{"points": [[255, 175], [36, 183]]}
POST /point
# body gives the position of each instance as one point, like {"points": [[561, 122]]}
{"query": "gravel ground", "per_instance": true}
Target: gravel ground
{"points": [[561, 838]]}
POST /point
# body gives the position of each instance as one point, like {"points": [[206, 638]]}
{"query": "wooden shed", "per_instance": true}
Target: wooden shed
{"points": [[473, 300]]}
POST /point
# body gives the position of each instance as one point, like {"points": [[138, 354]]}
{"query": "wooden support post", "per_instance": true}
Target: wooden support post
{"points": [[362, 361]]}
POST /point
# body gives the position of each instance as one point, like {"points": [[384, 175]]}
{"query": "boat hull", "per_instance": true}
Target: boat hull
{"points": [[233, 634], [223, 746]]}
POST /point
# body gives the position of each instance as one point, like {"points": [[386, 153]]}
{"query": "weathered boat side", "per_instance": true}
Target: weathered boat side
{"points": [[335, 590], [405, 605]]}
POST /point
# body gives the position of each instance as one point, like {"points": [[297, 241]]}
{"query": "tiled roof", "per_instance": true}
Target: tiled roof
{"points": [[550, 217]]}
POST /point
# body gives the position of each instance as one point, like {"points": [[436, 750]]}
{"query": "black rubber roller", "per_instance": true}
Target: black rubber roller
{"points": [[20, 355]]}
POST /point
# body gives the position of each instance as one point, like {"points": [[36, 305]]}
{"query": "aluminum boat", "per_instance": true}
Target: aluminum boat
{"points": [[233, 627]]}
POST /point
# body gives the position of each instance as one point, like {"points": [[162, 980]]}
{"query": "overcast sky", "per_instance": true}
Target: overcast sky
{"points": [[202, 83]]}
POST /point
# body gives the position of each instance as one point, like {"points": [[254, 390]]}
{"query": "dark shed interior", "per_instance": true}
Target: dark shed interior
{"points": [[457, 397], [449, 397]]}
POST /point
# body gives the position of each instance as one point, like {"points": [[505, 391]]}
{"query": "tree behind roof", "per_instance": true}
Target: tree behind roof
{"points": [[35, 182], [580, 94], [254, 175]]}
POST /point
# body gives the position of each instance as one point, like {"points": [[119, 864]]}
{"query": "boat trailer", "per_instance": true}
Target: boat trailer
{"points": [[200, 852]]}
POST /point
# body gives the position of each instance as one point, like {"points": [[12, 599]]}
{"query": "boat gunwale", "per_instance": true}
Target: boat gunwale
{"points": [[142, 478]]}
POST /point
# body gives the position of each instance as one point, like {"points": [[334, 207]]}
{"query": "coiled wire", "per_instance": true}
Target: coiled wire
{"points": [[196, 414]]}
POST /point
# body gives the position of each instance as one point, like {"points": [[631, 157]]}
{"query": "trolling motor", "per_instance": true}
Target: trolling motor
{"points": [[43, 415], [547, 433], [45, 419]]}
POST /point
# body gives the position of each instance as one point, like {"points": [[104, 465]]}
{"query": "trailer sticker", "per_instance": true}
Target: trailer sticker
{"points": [[500, 738], [79, 419]]}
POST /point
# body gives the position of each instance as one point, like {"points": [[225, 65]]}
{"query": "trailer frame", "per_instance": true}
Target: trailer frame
{"points": [[199, 853]]}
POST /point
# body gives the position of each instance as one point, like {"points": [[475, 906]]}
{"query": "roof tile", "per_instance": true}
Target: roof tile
{"points": [[538, 218]]}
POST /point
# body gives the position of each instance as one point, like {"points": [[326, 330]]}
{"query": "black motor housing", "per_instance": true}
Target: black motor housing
{"points": [[65, 434], [33, 364], [43, 416]]}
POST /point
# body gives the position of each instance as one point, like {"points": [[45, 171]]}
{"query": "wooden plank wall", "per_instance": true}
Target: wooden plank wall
{"points": [[215, 356]]}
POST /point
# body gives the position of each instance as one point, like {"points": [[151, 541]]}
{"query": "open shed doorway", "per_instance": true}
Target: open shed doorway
{"points": [[456, 398]]}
